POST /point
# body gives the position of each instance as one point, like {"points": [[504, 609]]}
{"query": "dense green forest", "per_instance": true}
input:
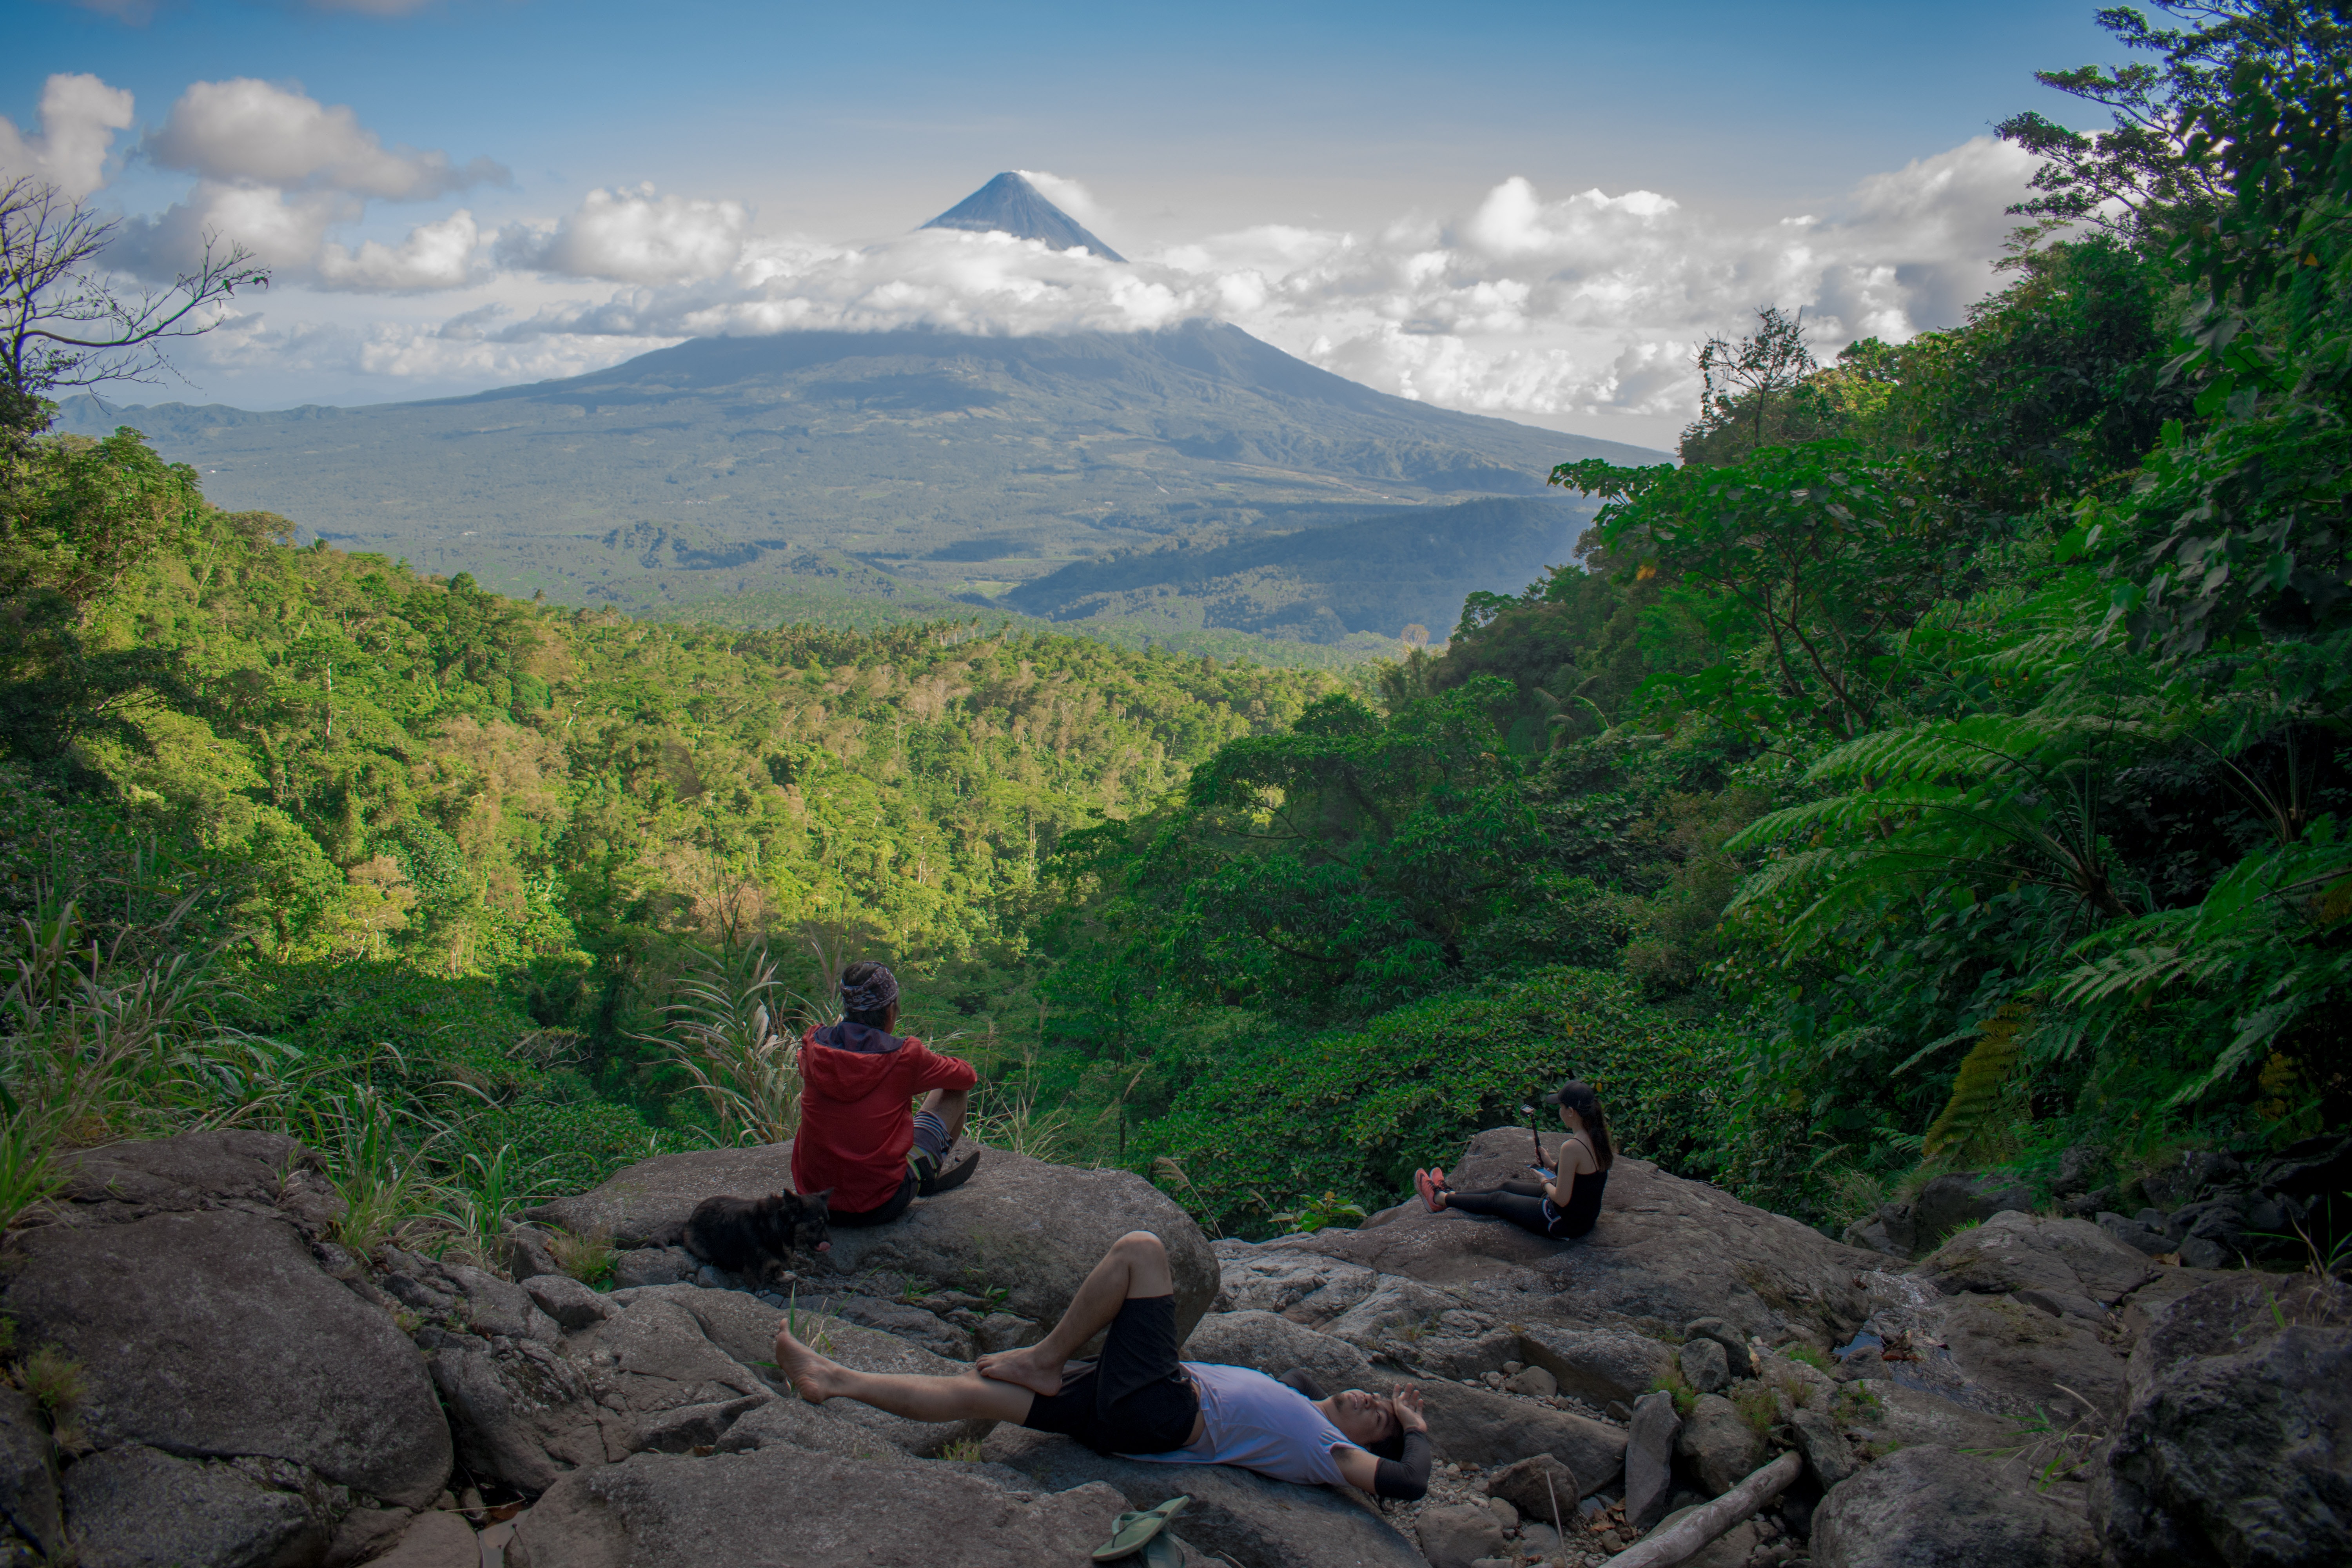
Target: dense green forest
{"points": [[1940, 767]]}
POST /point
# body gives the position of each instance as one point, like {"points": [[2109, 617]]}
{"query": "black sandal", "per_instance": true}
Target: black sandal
{"points": [[929, 1183]]}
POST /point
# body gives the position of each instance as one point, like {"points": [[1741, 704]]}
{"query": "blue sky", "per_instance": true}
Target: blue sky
{"points": [[1283, 163]]}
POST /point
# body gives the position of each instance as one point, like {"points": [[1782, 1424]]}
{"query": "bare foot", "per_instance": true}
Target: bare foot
{"points": [[813, 1377], [1024, 1367]]}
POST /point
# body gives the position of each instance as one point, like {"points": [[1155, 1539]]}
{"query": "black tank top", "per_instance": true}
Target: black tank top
{"points": [[1583, 1203]]}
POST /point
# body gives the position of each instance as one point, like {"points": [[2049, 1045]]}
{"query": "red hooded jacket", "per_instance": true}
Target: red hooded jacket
{"points": [[856, 1116]]}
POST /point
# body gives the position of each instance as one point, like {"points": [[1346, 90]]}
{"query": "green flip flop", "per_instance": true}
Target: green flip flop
{"points": [[1133, 1533]]}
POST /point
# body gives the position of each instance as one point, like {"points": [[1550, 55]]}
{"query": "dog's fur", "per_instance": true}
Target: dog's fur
{"points": [[752, 1237]]}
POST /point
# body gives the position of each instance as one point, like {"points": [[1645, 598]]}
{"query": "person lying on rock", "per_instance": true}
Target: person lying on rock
{"points": [[1139, 1402], [858, 1077], [1562, 1206]]}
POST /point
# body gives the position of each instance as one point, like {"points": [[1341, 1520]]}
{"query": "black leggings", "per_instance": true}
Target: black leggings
{"points": [[1521, 1202]]}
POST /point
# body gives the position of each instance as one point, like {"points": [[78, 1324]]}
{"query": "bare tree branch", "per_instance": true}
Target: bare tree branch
{"points": [[66, 322]]}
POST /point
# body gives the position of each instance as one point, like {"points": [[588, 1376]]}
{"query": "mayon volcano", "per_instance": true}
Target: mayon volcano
{"points": [[854, 474]]}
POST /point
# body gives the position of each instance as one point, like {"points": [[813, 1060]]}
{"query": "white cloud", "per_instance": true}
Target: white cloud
{"points": [[260, 133], [633, 236], [433, 256], [79, 115], [1584, 307], [1067, 194]]}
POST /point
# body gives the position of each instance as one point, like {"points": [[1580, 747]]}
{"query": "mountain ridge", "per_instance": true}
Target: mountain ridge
{"points": [[1009, 205]]}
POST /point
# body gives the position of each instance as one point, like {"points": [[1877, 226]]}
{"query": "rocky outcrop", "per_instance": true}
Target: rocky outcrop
{"points": [[1666, 1250], [1600, 1366], [2019, 1251], [2237, 1447], [1256, 1521], [236, 1390], [1476, 1427], [1023, 1228], [1929, 1507], [783, 1504], [1274, 1345]]}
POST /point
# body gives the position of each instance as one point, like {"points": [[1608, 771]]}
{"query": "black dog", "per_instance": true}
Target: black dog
{"points": [[751, 1236]]}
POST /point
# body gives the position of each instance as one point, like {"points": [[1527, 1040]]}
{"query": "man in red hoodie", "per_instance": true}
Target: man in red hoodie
{"points": [[857, 1079]]}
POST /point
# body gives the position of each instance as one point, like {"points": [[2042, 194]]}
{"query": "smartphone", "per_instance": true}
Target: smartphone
{"points": [[1547, 1175]]}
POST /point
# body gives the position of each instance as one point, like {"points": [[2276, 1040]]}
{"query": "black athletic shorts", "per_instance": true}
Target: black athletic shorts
{"points": [[1136, 1399], [891, 1208]]}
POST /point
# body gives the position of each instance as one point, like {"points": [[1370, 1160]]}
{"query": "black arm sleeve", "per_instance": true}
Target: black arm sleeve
{"points": [[1404, 1479]]}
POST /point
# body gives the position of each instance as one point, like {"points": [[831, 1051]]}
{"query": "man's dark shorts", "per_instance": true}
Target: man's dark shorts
{"points": [[1136, 1399]]}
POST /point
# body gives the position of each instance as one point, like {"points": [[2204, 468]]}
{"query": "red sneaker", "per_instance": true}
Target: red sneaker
{"points": [[1430, 1194]]}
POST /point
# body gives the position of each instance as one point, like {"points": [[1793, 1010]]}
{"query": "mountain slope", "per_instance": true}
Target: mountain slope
{"points": [[1376, 574], [1011, 205], [815, 468]]}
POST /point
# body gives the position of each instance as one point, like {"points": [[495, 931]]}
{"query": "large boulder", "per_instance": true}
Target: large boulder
{"points": [[1597, 1366], [1959, 1198], [237, 1391], [2237, 1447], [2019, 1359], [1934, 1507], [2014, 1251], [1887, 1414], [1664, 1248], [1032, 1229], [666, 1369], [1718, 1445], [1472, 1426], [1305, 1287], [647, 1204], [1274, 1345], [1256, 1521], [788, 1505]]}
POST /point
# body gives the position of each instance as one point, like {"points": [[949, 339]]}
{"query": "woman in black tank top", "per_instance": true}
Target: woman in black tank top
{"points": [[1562, 1208]]}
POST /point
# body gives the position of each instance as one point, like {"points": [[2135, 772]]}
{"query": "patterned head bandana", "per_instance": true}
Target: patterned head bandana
{"points": [[881, 989]]}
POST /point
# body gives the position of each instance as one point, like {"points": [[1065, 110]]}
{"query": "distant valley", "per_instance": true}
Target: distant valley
{"points": [[1182, 483]]}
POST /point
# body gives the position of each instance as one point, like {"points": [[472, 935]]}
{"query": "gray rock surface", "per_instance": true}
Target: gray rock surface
{"points": [[1274, 1345], [1649, 1458], [1455, 1535], [131, 1506], [1257, 1522], [653, 1265], [2010, 1251], [1304, 1287], [1035, 1231], [1532, 1487], [2237, 1446], [437, 1539], [785, 1505], [1737, 1355], [1886, 1415], [1934, 1507], [1718, 1448], [1664, 1249], [2019, 1359], [28, 1474], [1020, 1223], [1533, 1381], [648, 1204], [1824, 1449], [1596, 1364], [572, 1304], [1950, 1201], [912, 1324], [2144, 1239], [1447, 1355], [182, 1277], [1473, 1426], [1704, 1366]]}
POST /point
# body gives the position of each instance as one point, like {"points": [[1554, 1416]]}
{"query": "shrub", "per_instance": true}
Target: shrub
{"points": [[1355, 1110]]}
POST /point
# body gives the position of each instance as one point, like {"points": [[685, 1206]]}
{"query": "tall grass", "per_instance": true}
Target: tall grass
{"points": [[111, 1035], [724, 1029]]}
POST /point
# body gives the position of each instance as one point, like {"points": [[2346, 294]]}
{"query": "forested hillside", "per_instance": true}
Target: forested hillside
{"points": [[1941, 767]]}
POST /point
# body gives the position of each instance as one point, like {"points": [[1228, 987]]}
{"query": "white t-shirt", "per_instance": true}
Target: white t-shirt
{"points": [[1250, 1420]]}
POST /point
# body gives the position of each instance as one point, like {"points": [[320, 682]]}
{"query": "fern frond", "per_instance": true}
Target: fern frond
{"points": [[1976, 1099]]}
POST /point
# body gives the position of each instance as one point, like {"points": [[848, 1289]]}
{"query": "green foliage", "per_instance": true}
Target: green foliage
{"points": [[1354, 1112], [1314, 1214]]}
